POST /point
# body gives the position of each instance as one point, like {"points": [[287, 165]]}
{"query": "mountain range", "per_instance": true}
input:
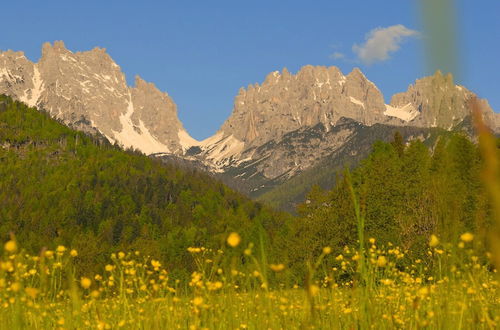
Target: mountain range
{"points": [[279, 130]]}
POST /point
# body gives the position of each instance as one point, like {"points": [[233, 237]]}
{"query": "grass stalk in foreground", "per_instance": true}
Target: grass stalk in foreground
{"points": [[491, 174]]}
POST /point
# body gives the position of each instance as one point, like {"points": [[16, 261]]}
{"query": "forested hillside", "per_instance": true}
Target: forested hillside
{"points": [[59, 186], [287, 195], [406, 194]]}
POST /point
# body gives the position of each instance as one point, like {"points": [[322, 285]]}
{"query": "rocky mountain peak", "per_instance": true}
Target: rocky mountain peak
{"points": [[87, 90], [318, 98], [356, 74], [10, 54], [437, 101], [58, 48], [285, 102]]}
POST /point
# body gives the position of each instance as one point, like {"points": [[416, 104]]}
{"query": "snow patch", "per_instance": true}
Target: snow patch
{"points": [[110, 139], [67, 58], [38, 83], [111, 89], [406, 112], [36, 91], [220, 150], [227, 147], [4, 72], [296, 117], [356, 101], [185, 140], [328, 82], [129, 137]]}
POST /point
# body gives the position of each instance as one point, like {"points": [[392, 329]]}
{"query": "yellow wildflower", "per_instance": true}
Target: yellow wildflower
{"points": [[381, 261], [423, 292], [31, 292], [433, 241], [233, 239], [197, 301], [15, 286], [49, 254], [85, 282], [10, 246], [277, 268], [467, 237], [156, 264]]}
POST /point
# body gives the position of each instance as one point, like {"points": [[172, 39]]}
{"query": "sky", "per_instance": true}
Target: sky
{"points": [[202, 52]]}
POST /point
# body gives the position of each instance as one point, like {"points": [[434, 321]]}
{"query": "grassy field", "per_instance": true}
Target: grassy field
{"points": [[453, 288]]}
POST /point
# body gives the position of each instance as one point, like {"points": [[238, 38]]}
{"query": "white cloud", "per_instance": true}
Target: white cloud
{"points": [[337, 55], [382, 41]]}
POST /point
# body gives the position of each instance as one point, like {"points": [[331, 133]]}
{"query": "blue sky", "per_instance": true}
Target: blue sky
{"points": [[202, 52]]}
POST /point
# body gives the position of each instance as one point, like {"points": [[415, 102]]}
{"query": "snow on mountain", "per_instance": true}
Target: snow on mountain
{"points": [[87, 90], [406, 112]]}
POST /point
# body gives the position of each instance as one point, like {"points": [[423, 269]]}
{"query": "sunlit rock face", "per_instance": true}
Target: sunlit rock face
{"points": [[270, 121], [436, 101], [88, 91], [279, 128]]}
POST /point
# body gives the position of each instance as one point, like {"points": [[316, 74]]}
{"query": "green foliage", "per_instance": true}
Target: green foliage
{"points": [[406, 194], [286, 195], [59, 186]]}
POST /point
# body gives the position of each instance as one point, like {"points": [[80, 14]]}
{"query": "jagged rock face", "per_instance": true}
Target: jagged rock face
{"points": [[436, 101], [87, 90], [294, 152], [286, 102], [277, 129], [19, 77]]}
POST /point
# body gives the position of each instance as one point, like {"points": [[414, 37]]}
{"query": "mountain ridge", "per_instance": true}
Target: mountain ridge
{"points": [[279, 128], [90, 85], [351, 95]]}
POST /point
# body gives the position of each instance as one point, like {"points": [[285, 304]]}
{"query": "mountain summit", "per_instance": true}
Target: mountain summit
{"points": [[88, 91], [316, 95]]}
